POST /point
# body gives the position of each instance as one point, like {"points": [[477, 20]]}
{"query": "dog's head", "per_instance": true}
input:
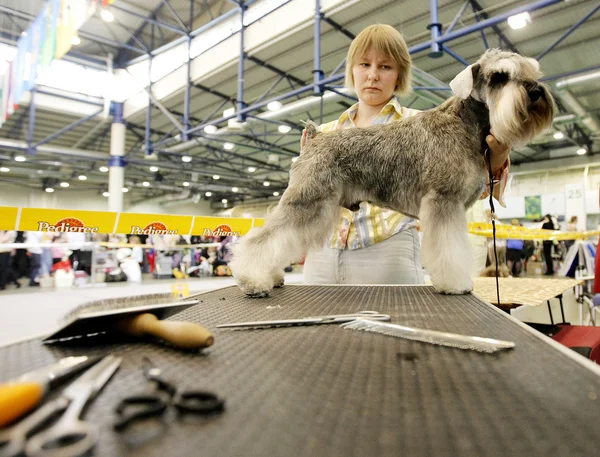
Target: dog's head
{"points": [[520, 106]]}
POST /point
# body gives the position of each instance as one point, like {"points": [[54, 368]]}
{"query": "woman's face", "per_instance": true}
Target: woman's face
{"points": [[375, 78]]}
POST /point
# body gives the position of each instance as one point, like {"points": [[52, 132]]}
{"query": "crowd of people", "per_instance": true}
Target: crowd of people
{"points": [[514, 254], [43, 253]]}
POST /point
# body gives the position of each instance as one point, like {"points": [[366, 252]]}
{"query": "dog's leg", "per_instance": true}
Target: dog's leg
{"points": [[289, 231], [446, 252]]}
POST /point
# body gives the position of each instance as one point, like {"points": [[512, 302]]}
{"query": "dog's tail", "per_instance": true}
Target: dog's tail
{"points": [[311, 130]]}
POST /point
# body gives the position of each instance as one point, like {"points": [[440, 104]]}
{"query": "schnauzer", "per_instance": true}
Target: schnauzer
{"points": [[429, 166]]}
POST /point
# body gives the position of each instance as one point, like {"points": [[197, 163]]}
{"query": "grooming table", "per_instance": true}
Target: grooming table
{"points": [[325, 391], [516, 292]]}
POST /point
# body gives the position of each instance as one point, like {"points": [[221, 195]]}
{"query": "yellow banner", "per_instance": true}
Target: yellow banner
{"points": [[64, 221], [259, 222], [523, 233], [154, 224], [221, 226], [8, 217]]}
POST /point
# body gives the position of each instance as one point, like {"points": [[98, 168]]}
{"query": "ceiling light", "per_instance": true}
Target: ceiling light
{"points": [[75, 40], [581, 151], [107, 16], [276, 193], [124, 190], [294, 159], [210, 128], [64, 184], [4, 169], [103, 169], [266, 183], [20, 158], [216, 177], [274, 106], [82, 177], [224, 200], [105, 194], [49, 190], [284, 128], [234, 189], [208, 194], [153, 169], [559, 135], [186, 184], [251, 169], [229, 112], [186, 159], [228, 146], [518, 21], [146, 184]]}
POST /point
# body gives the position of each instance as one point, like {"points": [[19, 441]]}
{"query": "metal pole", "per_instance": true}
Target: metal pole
{"points": [[317, 71], [436, 30], [188, 80], [116, 172], [240, 115], [31, 129], [484, 24], [568, 32], [67, 128], [457, 17], [148, 134]]}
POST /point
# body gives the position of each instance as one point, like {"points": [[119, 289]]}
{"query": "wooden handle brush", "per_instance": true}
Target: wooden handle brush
{"points": [[184, 335], [138, 316]]}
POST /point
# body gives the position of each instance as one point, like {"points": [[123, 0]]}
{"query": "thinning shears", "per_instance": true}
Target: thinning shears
{"points": [[316, 320]]}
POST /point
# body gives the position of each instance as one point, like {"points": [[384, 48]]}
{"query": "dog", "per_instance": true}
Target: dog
{"points": [[429, 166]]}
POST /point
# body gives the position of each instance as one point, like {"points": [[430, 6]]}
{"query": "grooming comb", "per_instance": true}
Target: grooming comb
{"points": [[473, 343]]}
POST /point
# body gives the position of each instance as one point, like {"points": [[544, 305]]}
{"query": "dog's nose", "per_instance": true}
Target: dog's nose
{"points": [[535, 94]]}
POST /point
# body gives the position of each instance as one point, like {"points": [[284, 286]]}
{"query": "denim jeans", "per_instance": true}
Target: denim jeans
{"points": [[396, 260]]}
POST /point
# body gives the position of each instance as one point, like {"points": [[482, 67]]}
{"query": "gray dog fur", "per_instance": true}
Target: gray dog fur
{"points": [[428, 166]]}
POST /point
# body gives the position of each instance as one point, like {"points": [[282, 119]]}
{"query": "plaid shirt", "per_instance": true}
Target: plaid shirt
{"points": [[371, 224]]}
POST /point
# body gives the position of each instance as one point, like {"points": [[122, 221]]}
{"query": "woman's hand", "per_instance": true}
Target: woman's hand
{"points": [[499, 153]]}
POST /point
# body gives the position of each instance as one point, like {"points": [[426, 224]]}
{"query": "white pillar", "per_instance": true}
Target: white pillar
{"points": [[116, 173]]}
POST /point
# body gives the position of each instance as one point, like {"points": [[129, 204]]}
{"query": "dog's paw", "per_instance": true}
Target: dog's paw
{"points": [[278, 279], [255, 286], [455, 288]]}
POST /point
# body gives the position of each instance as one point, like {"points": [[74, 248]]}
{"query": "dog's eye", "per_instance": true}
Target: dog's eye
{"points": [[499, 79]]}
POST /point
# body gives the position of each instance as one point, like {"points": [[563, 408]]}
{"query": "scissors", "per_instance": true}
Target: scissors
{"points": [[136, 407], [317, 320], [69, 436]]}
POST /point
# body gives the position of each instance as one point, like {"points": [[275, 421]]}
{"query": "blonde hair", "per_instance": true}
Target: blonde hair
{"points": [[387, 41]]}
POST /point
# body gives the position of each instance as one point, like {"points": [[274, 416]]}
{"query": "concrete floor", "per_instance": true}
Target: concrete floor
{"points": [[30, 312]]}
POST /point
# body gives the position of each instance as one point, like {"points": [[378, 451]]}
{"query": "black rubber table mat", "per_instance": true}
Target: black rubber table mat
{"points": [[324, 391]]}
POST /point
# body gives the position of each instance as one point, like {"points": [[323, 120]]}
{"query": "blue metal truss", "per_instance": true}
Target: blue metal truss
{"points": [[190, 127]]}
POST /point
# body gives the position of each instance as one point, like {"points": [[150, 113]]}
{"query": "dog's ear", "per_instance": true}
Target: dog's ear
{"points": [[462, 84]]}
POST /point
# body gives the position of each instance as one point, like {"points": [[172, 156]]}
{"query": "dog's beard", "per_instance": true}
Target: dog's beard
{"points": [[514, 119]]}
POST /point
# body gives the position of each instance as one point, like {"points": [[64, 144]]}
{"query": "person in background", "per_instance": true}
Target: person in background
{"points": [[514, 252], [58, 249], [548, 224], [33, 241], [572, 228], [137, 252], [75, 242], [6, 273]]}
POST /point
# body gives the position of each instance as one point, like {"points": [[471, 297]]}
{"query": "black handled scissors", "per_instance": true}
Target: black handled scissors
{"points": [[69, 436], [136, 407]]}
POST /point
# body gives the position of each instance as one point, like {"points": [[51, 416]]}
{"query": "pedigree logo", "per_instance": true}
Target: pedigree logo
{"points": [[221, 230], [153, 228], [66, 225]]}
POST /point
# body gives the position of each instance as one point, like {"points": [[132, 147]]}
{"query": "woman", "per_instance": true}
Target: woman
{"points": [[370, 244]]}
